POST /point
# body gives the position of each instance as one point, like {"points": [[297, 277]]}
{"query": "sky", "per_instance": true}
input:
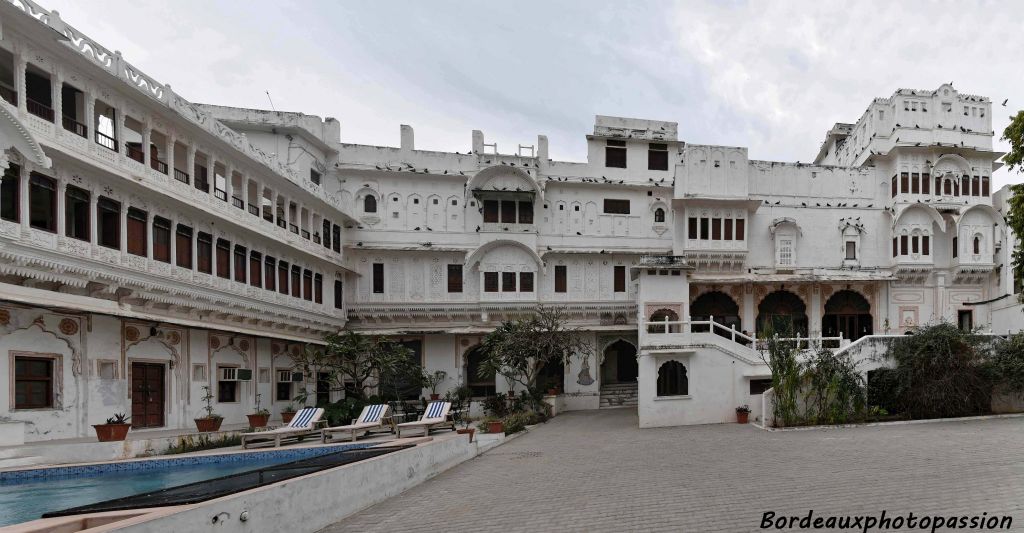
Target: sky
{"points": [[771, 76]]}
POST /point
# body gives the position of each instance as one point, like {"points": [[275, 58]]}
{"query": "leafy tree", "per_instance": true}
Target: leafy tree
{"points": [[782, 358], [359, 359], [1014, 159], [518, 350]]}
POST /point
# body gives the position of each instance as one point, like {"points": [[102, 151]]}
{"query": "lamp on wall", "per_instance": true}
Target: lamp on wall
{"points": [[152, 331]]}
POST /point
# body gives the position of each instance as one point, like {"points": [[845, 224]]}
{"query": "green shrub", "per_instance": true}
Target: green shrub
{"points": [[195, 443], [1007, 364], [835, 389]]}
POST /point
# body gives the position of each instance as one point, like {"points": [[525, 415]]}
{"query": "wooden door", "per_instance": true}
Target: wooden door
{"points": [[147, 395]]}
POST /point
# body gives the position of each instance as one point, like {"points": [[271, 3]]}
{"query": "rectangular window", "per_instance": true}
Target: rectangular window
{"points": [[925, 183], [785, 252], [657, 156], [739, 228], [926, 245], [269, 273], [282, 277], [33, 383], [526, 212], [255, 269], [915, 245], [615, 154], [508, 282], [716, 229], [241, 256], [759, 386], [108, 220], [616, 207], [378, 278], [490, 282], [336, 238], [339, 295], [508, 212], [956, 247], [619, 280], [42, 203], [526, 282], [976, 186], [904, 242], [318, 288], [183, 246], [454, 278], [965, 185], [491, 210], [138, 237], [314, 176], [10, 196], [851, 250], [728, 229], [915, 183], [327, 234], [307, 284], [76, 213], [965, 319], [296, 281], [283, 390], [204, 251], [704, 229], [984, 186], [904, 182], [227, 391], [691, 228], [895, 190], [223, 259], [560, 278], [162, 239]]}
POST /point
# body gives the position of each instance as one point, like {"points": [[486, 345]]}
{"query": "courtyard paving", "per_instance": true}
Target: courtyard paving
{"points": [[596, 471]]}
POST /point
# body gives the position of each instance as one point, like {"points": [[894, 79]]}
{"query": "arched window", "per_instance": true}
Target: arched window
{"points": [[659, 215], [977, 245], [369, 204], [656, 323], [672, 379]]}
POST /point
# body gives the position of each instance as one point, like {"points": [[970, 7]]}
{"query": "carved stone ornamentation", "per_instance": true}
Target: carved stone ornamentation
{"points": [[214, 342], [131, 334], [68, 326]]}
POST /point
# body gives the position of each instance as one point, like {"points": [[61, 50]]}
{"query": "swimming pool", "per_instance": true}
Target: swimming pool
{"points": [[27, 494]]}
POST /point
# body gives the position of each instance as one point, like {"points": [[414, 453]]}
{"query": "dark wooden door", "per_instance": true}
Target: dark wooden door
{"points": [[147, 395]]}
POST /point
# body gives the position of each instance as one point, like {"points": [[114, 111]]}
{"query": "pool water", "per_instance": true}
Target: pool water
{"points": [[28, 499]]}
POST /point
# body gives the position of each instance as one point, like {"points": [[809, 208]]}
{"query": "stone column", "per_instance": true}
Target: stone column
{"points": [[56, 97], [814, 316], [174, 240], [62, 186], [748, 310], [124, 230], [191, 162], [20, 64], [90, 114], [23, 192], [169, 155], [119, 132], [93, 217], [147, 134], [229, 189]]}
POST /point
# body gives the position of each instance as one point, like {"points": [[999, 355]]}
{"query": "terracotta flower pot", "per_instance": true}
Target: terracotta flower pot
{"points": [[258, 421], [741, 417], [552, 392], [287, 416], [435, 397], [111, 432], [495, 427], [466, 431], [206, 425]]}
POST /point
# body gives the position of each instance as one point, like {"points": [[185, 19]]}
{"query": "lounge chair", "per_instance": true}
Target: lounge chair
{"points": [[372, 417], [303, 424], [434, 417]]}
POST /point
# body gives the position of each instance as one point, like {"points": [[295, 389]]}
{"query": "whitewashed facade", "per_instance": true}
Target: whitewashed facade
{"points": [[147, 244]]}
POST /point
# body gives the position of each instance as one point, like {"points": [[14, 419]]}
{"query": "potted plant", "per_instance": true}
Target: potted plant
{"points": [[742, 412], [432, 380], [260, 417], [116, 428], [495, 426], [212, 421], [288, 413], [461, 400]]}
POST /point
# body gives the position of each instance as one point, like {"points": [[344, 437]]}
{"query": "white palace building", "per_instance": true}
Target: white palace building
{"points": [[150, 246]]}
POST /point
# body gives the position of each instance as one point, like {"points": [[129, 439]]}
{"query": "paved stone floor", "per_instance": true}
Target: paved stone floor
{"points": [[596, 471]]}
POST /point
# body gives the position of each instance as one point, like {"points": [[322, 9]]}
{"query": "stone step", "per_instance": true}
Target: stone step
{"points": [[20, 461]]}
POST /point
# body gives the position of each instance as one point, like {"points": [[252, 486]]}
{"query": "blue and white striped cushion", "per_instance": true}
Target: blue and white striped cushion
{"points": [[434, 410], [303, 418], [373, 413]]}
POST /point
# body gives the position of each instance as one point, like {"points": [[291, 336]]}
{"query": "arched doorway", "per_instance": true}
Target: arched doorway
{"points": [[655, 324], [719, 305], [479, 386], [619, 364], [847, 313], [551, 376], [784, 313]]}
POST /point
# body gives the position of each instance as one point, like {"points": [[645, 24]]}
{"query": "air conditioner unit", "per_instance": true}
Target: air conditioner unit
{"points": [[297, 377], [287, 376], [235, 374]]}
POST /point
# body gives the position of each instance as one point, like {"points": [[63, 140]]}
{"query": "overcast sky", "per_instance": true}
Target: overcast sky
{"points": [[773, 77]]}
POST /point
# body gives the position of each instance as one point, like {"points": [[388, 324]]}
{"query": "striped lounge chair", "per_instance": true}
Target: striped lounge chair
{"points": [[372, 417], [303, 424], [434, 417]]}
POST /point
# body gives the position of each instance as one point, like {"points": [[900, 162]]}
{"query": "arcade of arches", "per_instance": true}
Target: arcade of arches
{"points": [[715, 304], [782, 311], [847, 313]]}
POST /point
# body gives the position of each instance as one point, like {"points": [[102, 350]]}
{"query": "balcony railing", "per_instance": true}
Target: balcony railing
{"points": [[135, 153], [281, 223], [42, 111], [106, 141], [75, 127], [221, 194], [181, 176], [159, 166], [237, 202], [268, 216], [293, 228], [9, 94], [254, 210], [305, 234], [316, 238]]}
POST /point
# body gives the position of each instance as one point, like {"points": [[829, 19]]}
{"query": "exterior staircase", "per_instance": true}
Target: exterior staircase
{"points": [[15, 457], [617, 395]]}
